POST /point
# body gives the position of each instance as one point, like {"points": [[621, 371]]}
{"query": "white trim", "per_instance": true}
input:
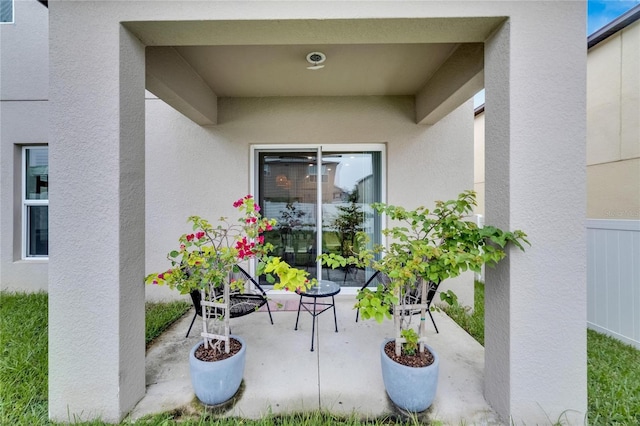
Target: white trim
{"points": [[319, 207], [616, 224]]}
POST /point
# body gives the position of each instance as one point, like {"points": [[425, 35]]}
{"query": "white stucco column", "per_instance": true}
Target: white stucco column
{"points": [[535, 337], [96, 271]]}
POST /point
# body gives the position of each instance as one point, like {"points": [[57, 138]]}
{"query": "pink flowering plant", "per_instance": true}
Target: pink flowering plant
{"points": [[210, 253]]}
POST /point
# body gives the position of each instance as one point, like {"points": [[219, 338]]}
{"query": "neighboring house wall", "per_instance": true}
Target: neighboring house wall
{"points": [[613, 126], [24, 116]]}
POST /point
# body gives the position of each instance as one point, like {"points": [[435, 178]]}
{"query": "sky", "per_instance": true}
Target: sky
{"points": [[599, 14]]}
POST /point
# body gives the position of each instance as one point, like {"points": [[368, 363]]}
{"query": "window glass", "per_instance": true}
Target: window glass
{"points": [[37, 231], [37, 174], [6, 11], [35, 201]]}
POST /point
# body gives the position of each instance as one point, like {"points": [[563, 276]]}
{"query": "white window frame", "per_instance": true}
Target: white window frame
{"points": [[26, 203]]}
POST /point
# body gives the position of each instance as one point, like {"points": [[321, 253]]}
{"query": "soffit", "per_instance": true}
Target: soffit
{"points": [[350, 69], [365, 57]]}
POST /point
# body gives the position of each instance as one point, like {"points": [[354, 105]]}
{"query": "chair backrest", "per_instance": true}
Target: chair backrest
{"points": [[252, 282], [414, 296]]}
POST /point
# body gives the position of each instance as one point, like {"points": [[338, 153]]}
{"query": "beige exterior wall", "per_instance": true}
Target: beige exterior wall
{"points": [[613, 126]]}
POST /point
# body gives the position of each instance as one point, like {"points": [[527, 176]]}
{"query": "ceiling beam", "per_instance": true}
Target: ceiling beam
{"points": [[459, 78], [171, 78]]}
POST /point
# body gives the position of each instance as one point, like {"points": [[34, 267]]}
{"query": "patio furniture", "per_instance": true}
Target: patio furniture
{"points": [[414, 297], [252, 299], [323, 289]]}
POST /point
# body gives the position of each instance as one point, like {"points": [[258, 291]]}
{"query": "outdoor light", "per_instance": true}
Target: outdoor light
{"points": [[315, 59]]}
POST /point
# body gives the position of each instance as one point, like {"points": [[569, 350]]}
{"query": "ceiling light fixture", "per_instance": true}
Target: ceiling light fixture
{"points": [[315, 59]]}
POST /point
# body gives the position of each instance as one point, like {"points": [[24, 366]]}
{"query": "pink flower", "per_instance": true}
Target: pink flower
{"points": [[190, 237], [257, 208], [199, 235], [155, 282], [161, 276], [182, 247], [237, 203], [248, 197], [261, 239]]}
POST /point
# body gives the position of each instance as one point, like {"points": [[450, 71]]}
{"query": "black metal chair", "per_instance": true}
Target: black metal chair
{"points": [[414, 297], [241, 303]]}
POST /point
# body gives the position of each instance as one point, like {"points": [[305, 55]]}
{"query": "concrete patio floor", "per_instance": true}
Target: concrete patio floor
{"points": [[341, 376]]}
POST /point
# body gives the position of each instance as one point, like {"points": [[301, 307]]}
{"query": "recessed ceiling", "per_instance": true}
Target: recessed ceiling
{"points": [[349, 70]]}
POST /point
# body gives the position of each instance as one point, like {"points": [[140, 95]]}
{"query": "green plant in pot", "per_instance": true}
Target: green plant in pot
{"points": [[425, 247], [206, 261]]}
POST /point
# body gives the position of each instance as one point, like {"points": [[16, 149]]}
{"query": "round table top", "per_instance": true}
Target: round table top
{"points": [[324, 288]]}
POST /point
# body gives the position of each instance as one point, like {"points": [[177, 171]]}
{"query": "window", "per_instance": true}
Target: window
{"points": [[35, 202], [313, 173], [6, 11]]}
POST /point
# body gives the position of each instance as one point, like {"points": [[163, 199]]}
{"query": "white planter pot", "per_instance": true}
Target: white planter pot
{"points": [[410, 388], [215, 382]]}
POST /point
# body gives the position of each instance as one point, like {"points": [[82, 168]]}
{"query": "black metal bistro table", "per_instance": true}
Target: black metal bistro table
{"points": [[323, 289]]}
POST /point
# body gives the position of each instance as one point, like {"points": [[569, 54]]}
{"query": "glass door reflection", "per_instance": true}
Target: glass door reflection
{"points": [[346, 210], [288, 193], [292, 185]]}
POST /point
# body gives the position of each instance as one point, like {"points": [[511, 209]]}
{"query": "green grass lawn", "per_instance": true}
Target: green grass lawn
{"points": [[24, 343], [613, 368]]}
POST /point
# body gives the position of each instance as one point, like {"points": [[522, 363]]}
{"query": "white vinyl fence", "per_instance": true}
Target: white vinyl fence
{"points": [[613, 278]]}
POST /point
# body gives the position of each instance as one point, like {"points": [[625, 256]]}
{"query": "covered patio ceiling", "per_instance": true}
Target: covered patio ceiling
{"points": [[439, 61]]}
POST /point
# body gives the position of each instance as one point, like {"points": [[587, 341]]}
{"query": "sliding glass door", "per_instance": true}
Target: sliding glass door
{"points": [[321, 200]]}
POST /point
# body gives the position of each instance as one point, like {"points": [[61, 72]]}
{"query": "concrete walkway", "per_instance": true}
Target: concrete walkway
{"points": [[341, 376]]}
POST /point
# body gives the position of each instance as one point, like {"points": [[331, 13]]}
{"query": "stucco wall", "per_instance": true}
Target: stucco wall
{"points": [[613, 127], [24, 120], [423, 163]]}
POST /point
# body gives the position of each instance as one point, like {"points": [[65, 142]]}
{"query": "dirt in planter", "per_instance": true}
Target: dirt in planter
{"points": [[420, 359], [213, 354]]}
